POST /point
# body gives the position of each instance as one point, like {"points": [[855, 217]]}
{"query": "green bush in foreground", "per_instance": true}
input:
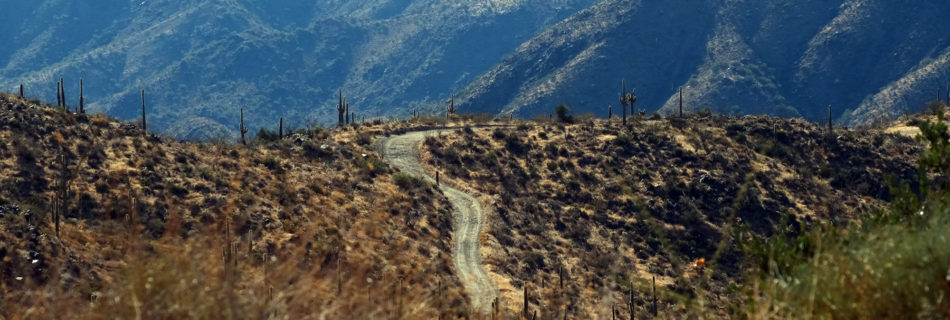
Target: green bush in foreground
{"points": [[894, 264]]}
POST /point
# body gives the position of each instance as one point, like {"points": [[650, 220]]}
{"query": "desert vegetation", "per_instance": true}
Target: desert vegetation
{"points": [[100, 221], [607, 208], [693, 215]]}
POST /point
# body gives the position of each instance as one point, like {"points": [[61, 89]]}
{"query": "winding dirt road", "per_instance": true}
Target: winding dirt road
{"points": [[402, 151]]}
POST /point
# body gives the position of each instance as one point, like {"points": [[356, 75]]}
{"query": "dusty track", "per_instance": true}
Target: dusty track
{"points": [[402, 151]]}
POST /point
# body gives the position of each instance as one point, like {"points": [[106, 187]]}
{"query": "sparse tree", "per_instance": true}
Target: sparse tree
{"points": [[563, 113]]}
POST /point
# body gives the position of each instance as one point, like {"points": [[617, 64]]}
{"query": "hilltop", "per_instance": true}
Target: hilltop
{"points": [[100, 219]]}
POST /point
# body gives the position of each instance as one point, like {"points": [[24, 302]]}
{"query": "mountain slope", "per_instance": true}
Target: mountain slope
{"points": [[734, 57], [201, 60]]}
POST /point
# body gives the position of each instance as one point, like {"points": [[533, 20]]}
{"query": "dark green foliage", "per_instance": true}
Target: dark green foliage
{"points": [[375, 166], [271, 163], [409, 182], [705, 112], [890, 253], [514, 145], [364, 138], [264, 135], [177, 190], [315, 150], [563, 113]]}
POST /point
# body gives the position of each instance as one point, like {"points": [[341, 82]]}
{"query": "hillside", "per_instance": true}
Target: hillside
{"points": [[99, 221], [871, 60], [585, 213], [202, 60], [581, 216]]}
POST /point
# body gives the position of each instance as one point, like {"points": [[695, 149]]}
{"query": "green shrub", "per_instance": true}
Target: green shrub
{"points": [[893, 264], [409, 182], [265, 135], [563, 113], [315, 150]]}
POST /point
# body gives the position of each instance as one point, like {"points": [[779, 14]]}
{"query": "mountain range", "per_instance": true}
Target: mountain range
{"points": [[202, 61]]}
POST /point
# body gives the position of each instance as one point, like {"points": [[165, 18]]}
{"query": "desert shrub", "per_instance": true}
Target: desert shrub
{"points": [[563, 113], [176, 190], [375, 166], [705, 112], [533, 262], [271, 163], [408, 182], [264, 135], [623, 140], [364, 138], [498, 134], [891, 265], [514, 145], [315, 150]]}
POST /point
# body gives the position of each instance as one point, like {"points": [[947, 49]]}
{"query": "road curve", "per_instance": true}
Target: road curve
{"points": [[402, 151]]}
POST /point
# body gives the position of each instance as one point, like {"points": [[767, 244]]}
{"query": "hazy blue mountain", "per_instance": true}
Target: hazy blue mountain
{"points": [[868, 59], [201, 60]]}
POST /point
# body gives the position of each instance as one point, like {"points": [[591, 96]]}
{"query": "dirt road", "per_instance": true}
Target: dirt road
{"points": [[402, 151]]}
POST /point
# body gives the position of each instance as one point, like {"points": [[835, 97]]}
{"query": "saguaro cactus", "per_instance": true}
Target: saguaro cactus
{"points": [[681, 102], [59, 96], [21, 91], [243, 128], [341, 108], [627, 99], [452, 105], [610, 113], [623, 100], [62, 85], [144, 122], [82, 100], [830, 127]]}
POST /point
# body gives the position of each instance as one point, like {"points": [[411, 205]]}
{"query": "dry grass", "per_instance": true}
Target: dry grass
{"points": [[161, 229], [614, 207]]}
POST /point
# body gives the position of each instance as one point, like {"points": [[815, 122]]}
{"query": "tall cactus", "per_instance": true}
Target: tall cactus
{"points": [[21, 91], [82, 100], [623, 100], [681, 102], [144, 122], [340, 108], [452, 105], [243, 128], [62, 85], [280, 130], [830, 127], [59, 96]]}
